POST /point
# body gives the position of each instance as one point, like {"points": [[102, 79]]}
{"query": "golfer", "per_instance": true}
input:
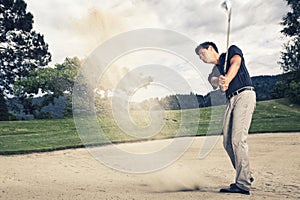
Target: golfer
{"points": [[235, 81]]}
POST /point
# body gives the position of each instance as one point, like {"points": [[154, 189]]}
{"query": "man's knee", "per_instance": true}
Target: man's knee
{"points": [[239, 142]]}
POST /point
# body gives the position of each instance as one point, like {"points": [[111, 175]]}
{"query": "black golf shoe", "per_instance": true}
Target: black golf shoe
{"points": [[234, 189]]}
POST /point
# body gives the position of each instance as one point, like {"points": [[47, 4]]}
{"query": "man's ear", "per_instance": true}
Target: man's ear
{"points": [[210, 48]]}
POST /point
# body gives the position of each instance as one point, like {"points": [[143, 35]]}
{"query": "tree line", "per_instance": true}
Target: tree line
{"points": [[266, 87]]}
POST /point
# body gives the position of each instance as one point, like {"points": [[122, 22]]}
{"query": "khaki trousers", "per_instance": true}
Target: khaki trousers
{"points": [[237, 120]]}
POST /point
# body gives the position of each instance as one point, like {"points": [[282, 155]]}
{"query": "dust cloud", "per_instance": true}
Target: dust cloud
{"points": [[177, 178], [95, 27], [90, 31]]}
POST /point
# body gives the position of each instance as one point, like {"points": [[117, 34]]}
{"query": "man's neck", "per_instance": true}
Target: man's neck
{"points": [[217, 57]]}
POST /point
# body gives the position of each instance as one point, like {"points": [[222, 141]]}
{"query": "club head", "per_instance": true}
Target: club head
{"points": [[227, 5]]}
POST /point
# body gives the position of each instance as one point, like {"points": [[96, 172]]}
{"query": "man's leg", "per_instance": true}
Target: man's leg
{"points": [[227, 132], [241, 121]]}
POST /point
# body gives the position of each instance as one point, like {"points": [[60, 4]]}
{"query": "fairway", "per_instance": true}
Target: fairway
{"points": [[54, 134]]}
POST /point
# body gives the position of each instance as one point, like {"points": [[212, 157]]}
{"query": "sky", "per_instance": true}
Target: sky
{"points": [[78, 27]]}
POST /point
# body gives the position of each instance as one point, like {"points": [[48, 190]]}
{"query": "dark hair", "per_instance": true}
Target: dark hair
{"points": [[205, 45]]}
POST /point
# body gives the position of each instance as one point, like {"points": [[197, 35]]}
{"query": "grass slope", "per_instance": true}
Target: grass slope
{"points": [[276, 116], [53, 134]]}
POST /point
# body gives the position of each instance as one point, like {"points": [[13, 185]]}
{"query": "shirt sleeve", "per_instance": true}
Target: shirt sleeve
{"points": [[214, 73], [234, 50]]}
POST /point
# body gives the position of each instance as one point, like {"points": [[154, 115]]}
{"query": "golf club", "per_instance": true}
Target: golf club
{"points": [[227, 5]]}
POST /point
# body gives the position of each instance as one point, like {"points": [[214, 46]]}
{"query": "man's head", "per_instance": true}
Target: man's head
{"points": [[208, 52]]}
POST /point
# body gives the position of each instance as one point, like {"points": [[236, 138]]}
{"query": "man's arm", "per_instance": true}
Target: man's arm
{"points": [[214, 81], [235, 63], [213, 77]]}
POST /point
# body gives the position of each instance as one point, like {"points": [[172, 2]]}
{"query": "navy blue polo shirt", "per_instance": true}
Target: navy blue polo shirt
{"points": [[242, 79]]}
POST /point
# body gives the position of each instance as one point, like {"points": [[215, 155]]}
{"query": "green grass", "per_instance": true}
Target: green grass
{"points": [[53, 134], [37, 135], [276, 116]]}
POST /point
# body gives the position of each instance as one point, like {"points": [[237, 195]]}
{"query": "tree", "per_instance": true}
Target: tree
{"points": [[3, 109], [55, 80], [51, 82], [21, 49], [291, 21], [290, 57], [294, 92]]}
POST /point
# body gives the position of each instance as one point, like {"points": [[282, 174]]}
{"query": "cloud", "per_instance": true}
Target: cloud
{"points": [[258, 13], [255, 25], [189, 15]]}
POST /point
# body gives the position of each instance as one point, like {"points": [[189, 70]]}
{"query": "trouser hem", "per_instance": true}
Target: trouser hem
{"points": [[242, 187]]}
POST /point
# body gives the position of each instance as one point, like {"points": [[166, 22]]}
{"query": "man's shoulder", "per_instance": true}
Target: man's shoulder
{"points": [[233, 49]]}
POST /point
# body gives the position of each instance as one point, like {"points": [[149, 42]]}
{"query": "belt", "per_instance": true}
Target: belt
{"points": [[239, 91]]}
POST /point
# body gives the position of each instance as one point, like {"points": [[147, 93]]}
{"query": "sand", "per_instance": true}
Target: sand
{"points": [[75, 174]]}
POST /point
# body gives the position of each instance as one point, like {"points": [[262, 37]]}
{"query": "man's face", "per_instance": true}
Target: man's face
{"points": [[206, 55]]}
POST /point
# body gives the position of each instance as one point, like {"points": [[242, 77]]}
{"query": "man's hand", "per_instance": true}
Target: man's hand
{"points": [[235, 63], [223, 83]]}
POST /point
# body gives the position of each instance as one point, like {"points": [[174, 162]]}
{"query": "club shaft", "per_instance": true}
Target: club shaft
{"points": [[227, 42]]}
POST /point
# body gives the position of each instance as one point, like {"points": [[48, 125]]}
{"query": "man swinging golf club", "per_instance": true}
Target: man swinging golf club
{"points": [[231, 75]]}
